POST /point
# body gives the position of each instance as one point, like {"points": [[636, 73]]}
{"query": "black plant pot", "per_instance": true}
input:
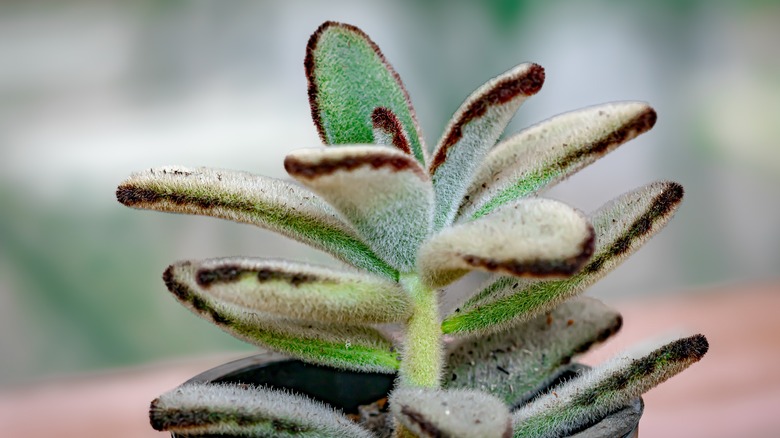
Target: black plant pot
{"points": [[347, 390]]}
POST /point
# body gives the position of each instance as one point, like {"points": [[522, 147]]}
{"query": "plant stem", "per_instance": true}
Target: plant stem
{"points": [[422, 360]]}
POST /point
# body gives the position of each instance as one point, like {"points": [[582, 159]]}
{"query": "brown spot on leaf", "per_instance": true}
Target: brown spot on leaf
{"points": [[526, 84], [429, 429]]}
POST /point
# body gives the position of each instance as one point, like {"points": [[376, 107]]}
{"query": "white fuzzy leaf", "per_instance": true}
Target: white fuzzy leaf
{"points": [[513, 364], [383, 192], [473, 130], [543, 155], [297, 290], [242, 197], [597, 393], [352, 347], [622, 226], [532, 237], [457, 413], [241, 410]]}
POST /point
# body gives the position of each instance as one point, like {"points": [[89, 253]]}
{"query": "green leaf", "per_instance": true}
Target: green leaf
{"points": [[601, 391], [348, 78], [242, 197], [473, 130], [531, 237], [388, 130], [383, 192], [515, 363], [622, 226], [242, 410], [296, 290], [353, 347], [458, 413], [543, 155]]}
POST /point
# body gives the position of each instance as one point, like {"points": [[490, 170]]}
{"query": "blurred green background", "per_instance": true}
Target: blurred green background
{"points": [[91, 91]]}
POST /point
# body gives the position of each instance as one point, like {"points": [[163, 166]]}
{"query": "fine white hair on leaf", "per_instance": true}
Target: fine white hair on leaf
{"points": [[597, 393], [242, 410], [516, 363], [348, 78], [266, 202], [297, 290], [473, 130], [383, 192], [352, 347], [540, 156], [528, 238], [457, 413], [622, 226]]}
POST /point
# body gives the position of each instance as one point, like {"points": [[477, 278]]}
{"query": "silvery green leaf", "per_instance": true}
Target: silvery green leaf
{"points": [[383, 192], [515, 363], [242, 197], [457, 413], [530, 237], [597, 393], [242, 410], [296, 290], [349, 78], [622, 226], [543, 155], [473, 130], [352, 347]]}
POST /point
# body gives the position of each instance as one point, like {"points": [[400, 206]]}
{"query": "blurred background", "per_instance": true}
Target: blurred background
{"points": [[91, 91]]}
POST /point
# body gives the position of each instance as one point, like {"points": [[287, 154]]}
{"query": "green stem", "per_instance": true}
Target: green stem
{"points": [[422, 353]]}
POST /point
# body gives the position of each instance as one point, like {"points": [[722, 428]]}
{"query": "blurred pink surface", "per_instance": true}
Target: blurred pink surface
{"points": [[733, 392]]}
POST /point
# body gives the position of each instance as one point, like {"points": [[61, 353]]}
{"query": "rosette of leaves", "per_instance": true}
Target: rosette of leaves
{"points": [[407, 221]]}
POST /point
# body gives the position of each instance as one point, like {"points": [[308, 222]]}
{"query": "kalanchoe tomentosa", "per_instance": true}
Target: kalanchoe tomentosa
{"points": [[410, 221]]}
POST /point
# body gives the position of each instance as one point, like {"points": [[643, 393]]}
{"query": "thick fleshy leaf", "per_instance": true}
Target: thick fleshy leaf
{"points": [[514, 364], [388, 130], [531, 237], [622, 226], [242, 197], [543, 155], [348, 78], [473, 130], [358, 348], [384, 193], [458, 413], [242, 410], [296, 290], [597, 393]]}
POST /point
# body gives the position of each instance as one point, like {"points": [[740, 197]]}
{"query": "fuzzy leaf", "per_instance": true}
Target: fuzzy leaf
{"points": [[601, 391], [622, 226], [543, 155], [383, 192], [241, 410], [388, 130], [348, 78], [458, 413], [531, 237], [473, 130], [242, 197], [296, 290], [513, 364], [356, 348]]}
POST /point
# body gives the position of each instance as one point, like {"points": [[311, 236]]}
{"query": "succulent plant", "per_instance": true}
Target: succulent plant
{"points": [[407, 222]]}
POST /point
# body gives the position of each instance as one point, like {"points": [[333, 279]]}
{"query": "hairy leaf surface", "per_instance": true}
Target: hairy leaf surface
{"points": [[473, 130], [622, 226], [296, 290], [601, 391], [531, 237], [348, 78], [543, 155], [351, 347], [384, 193], [242, 197], [241, 410]]}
